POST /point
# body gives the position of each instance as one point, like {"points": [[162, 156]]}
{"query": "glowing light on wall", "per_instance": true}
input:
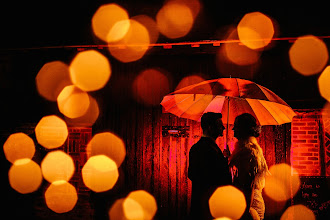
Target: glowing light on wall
{"points": [[100, 173], [57, 165], [89, 118], [51, 132], [18, 146], [308, 55], [52, 78], [105, 19], [109, 145], [134, 44], [175, 19], [150, 25], [227, 201], [25, 176], [324, 83], [150, 86], [255, 30], [283, 184], [298, 212], [90, 70], [61, 196], [73, 102]]}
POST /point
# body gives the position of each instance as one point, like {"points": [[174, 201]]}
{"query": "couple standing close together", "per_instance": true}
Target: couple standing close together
{"points": [[209, 168]]}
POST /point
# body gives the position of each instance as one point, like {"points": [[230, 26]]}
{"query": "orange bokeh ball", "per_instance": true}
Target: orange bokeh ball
{"points": [[324, 83], [109, 145], [57, 165], [308, 55], [255, 30], [105, 19], [283, 183], [100, 173], [52, 78], [73, 102], [143, 200], [175, 19], [133, 45], [61, 196], [227, 201], [18, 146], [90, 70], [298, 212], [51, 132], [25, 176]]}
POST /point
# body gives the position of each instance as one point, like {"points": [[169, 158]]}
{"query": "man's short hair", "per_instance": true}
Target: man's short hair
{"points": [[209, 118]]}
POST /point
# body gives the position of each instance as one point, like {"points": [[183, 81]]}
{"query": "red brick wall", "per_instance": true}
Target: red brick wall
{"points": [[305, 149]]}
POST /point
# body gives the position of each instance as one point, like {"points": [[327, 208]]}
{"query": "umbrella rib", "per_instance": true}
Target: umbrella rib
{"points": [[180, 101], [267, 111], [239, 93]]}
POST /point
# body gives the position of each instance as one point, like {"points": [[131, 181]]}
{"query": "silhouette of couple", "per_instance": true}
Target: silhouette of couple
{"points": [[209, 167]]}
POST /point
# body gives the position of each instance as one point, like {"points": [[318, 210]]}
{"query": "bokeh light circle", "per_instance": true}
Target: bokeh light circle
{"points": [[61, 196], [255, 30], [308, 55], [105, 19], [73, 102], [52, 78], [150, 86], [145, 201], [283, 183], [175, 19], [227, 201], [298, 212], [57, 165], [324, 83], [18, 146], [100, 173], [25, 176], [107, 144], [90, 70], [51, 132], [133, 45]]}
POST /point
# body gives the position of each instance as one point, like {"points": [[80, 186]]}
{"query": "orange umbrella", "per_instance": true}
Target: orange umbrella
{"points": [[231, 97]]}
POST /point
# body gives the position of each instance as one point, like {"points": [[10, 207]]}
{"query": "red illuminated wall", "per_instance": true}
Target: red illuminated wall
{"points": [[308, 148]]}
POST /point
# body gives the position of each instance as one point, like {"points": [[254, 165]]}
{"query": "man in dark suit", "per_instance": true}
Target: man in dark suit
{"points": [[208, 167]]}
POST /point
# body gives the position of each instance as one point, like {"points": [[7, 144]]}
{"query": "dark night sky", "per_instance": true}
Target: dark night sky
{"points": [[63, 23]]}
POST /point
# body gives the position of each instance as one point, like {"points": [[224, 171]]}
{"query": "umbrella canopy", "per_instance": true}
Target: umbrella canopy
{"points": [[231, 97]]}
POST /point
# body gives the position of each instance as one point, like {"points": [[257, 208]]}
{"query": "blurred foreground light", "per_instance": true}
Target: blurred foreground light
{"points": [[134, 44], [150, 25], [57, 165], [137, 205], [308, 55], [298, 212], [73, 102], [89, 118], [227, 201], [18, 146], [51, 132], [150, 86], [61, 196], [175, 19], [109, 145], [283, 183], [237, 53], [52, 78], [100, 173], [25, 176], [90, 70], [145, 201], [106, 18], [324, 83], [189, 80], [255, 30]]}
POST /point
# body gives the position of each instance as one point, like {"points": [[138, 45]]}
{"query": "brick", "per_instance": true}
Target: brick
{"points": [[299, 167], [305, 162], [313, 158], [311, 123], [298, 141], [312, 132], [299, 158], [298, 124], [308, 128], [299, 132], [312, 141], [306, 154], [313, 150]]}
